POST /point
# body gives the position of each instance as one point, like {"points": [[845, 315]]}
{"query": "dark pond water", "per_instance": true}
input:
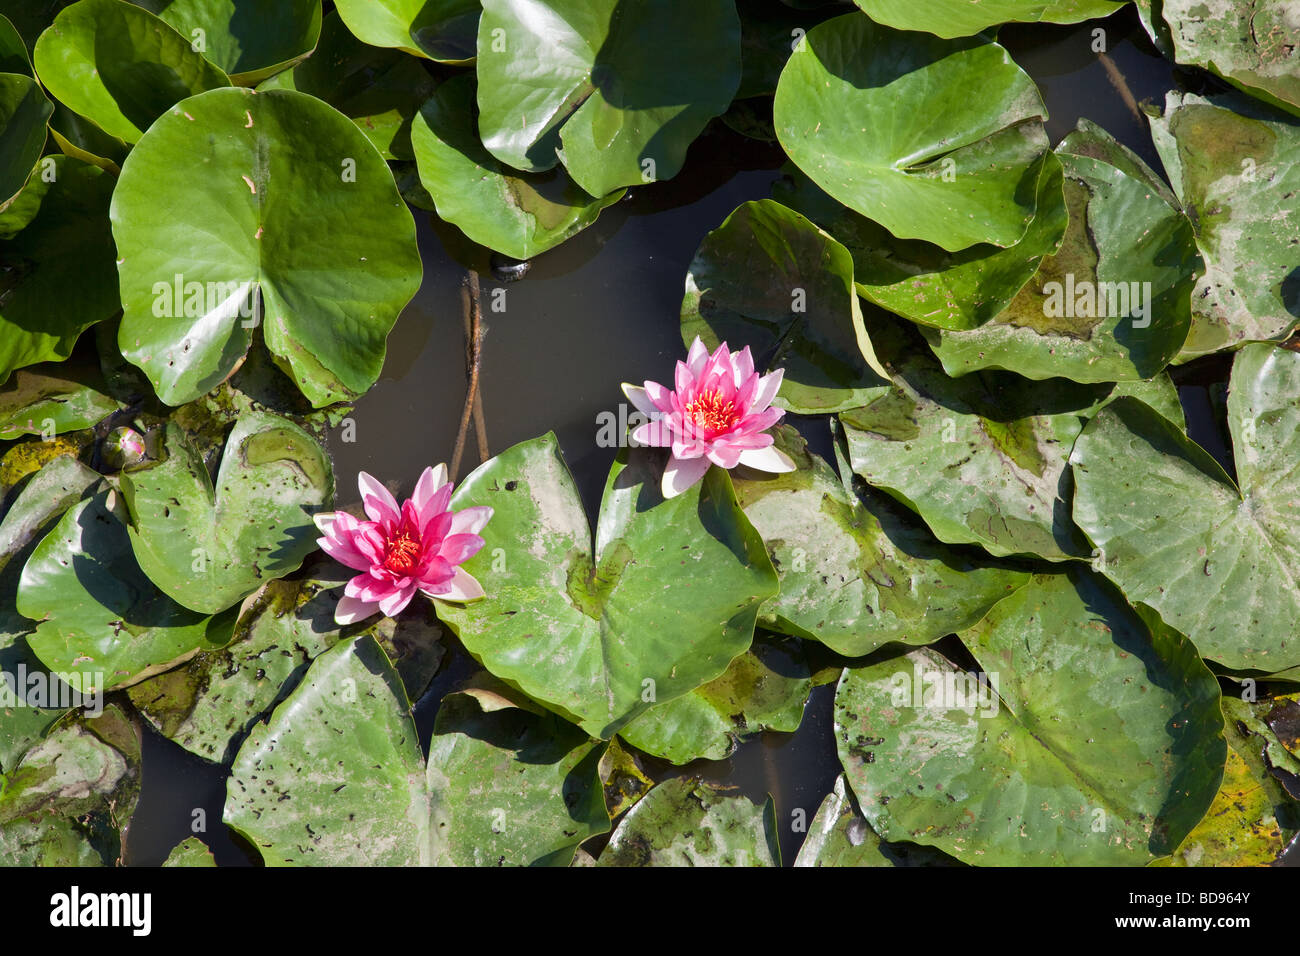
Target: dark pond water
{"points": [[603, 309]]}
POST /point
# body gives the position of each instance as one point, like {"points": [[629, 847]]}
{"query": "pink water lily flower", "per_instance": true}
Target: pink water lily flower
{"points": [[718, 414], [417, 547]]}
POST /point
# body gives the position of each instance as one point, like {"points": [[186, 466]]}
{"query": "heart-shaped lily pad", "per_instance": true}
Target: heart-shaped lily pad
{"points": [[897, 136], [1218, 560], [667, 600], [244, 177], [120, 66], [770, 279], [1088, 736], [207, 548]]}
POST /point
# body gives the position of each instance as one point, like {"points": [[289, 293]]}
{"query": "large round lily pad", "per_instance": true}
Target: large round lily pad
{"points": [[668, 598], [897, 137], [1217, 559], [120, 66], [617, 90], [1086, 737], [209, 547], [770, 279], [236, 196]]}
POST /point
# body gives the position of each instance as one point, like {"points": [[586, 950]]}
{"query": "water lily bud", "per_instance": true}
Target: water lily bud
{"points": [[123, 446]]}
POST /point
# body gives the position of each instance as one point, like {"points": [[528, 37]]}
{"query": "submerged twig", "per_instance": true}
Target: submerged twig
{"points": [[475, 330], [1121, 85]]}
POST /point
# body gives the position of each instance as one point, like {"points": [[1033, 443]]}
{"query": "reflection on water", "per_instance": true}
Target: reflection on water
{"points": [[603, 309]]}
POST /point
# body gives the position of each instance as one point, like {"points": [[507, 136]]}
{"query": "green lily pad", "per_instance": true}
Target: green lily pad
{"points": [[925, 282], [667, 601], [72, 796], [961, 18], [14, 57], [190, 852], [1254, 46], [207, 705], [120, 66], [97, 613], [872, 131], [243, 177], [1113, 303], [30, 697], [56, 263], [442, 30], [335, 776], [24, 123], [517, 214], [379, 89], [764, 689], [1230, 161], [981, 458], [248, 39], [839, 835], [510, 786], [1216, 559], [208, 548], [770, 279], [1090, 736], [29, 18], [81, 139], [857, 569], [53, 399], [587, 81], [1241, 827], [686, 822]]}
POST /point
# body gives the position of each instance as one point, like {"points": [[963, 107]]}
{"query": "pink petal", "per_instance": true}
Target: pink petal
{"points": [[469, 520], [683, 381], [768, 386], [351, 610], [431, 534], [767, 459], [436, 505], [640, 400], [463, 586], [659, 396], [681, 473], [457, 548], [344, 553], [379, 503], [654, 433], [431, 479], [697, 356], [723, 455], [742, 364], [395, 602]]}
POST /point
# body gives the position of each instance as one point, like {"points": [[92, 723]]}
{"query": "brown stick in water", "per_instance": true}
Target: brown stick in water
{"points": [[475, 330]]}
